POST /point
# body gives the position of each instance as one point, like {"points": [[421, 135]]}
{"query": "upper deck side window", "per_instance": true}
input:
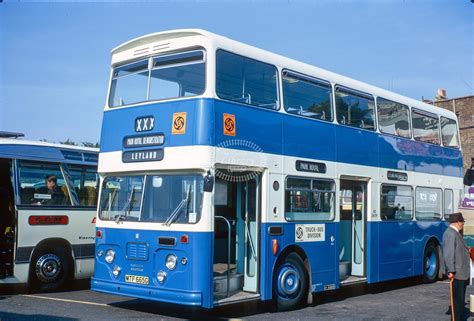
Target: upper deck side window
{"points": [[160, 77], [307, 96], [449, 132], [425, 127], [246, 80], [393, 118], [355, 108]]}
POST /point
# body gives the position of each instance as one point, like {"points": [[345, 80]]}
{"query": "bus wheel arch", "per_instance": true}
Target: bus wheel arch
{"points": [[51, 266], [431, 260], [291, 279]]}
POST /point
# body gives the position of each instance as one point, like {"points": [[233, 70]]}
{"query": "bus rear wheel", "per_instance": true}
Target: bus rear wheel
{"points": [[290, 283], [49, 270], [430, 263]]}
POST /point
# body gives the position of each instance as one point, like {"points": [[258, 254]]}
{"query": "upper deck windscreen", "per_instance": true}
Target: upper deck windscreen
{"points": [[160, 77]]}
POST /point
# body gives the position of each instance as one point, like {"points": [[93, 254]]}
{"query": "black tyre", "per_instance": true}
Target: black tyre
{"points": [[430, 263], [290, 283], [49, 270]]}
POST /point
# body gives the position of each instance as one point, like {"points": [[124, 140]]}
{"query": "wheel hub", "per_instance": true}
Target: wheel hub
{"points": [[48, 267], [288, 281]]}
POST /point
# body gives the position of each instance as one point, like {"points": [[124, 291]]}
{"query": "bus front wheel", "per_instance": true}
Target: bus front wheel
{"points": [[49, 270], [290, 283], [430, 263]]}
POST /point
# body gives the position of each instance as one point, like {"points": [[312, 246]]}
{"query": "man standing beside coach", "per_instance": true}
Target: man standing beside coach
{"points": [[457, 263]]}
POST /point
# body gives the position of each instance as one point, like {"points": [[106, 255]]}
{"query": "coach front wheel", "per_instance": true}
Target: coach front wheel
{"points": [[290, 283], [430, 263]]}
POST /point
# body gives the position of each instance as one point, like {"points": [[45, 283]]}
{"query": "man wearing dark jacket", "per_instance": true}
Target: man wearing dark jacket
{"points": [[457, 262]]}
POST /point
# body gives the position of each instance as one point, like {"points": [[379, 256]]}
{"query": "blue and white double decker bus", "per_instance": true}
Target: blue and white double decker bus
{"points": [[229, 173], [48, 203]]}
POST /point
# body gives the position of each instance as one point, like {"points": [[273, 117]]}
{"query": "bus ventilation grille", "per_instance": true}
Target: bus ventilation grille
{"points": [[137, 251]]}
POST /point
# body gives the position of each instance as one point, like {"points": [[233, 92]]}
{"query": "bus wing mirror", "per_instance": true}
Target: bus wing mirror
{"points": [[208, 182], [469, 177]]}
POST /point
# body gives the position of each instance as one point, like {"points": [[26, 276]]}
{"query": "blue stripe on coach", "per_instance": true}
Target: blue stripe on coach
{"points": [[281, 134]]}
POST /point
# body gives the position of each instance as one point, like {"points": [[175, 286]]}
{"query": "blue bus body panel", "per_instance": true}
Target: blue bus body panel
{"points": [[395, 249], [138, 253], [322, 256], [281, 134]]}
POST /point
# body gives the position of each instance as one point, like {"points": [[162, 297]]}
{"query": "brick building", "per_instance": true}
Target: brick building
{"points": [[463, 107]]}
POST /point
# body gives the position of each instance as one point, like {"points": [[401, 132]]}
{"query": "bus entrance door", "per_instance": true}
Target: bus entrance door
{"points": [[352, 230], [237, 211], [250, 206]]}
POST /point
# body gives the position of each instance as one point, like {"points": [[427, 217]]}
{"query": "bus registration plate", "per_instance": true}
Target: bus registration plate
{"points": [[136, 279]]}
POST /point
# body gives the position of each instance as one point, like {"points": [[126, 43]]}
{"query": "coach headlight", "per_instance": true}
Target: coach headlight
{"points": [[109, 256], [171, 260]]}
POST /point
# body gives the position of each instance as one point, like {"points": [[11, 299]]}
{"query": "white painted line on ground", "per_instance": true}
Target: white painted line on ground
{"points": [[65, 300]]}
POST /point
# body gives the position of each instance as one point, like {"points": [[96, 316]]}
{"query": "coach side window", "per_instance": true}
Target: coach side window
{"points": [[245, 80], [85, 181], [425, 127], [449, 132], [309, 199], [393, 118], [42, 184], [355, 109], [429, 204], [306, 96], [396, 202]]}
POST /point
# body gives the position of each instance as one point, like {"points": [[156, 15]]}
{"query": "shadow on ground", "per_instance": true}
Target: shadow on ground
{"points": [[242, 310]]}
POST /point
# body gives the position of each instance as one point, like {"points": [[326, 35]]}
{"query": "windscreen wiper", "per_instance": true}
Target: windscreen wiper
{"points": [[127, 208], [175, 214]]}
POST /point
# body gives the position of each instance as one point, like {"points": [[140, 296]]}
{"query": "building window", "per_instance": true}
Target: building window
{"points": [[309, 199]]}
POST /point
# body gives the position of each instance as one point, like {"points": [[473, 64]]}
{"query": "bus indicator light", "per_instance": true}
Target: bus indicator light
{"points": [[275, 246], [184, 239], [48, 220], [98, 234]]}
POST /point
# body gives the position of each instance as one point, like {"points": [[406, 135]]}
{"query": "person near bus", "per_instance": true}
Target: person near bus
{"points": [[56, 195], [456, 258]]}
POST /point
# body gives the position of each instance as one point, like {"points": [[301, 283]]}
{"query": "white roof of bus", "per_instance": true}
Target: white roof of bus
{"points": [[214, 41], [12, 141]]}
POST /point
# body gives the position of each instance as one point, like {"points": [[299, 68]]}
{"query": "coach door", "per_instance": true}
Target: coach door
{"points": [[250, 210], [353, 217]]}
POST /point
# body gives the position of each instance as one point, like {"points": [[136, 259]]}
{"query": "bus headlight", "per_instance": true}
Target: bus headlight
{"points": [[116, 271], [109, 256], [171, 260], [100, 252], [161, 276]]}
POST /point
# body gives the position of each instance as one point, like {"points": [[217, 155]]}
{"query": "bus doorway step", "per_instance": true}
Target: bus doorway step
{"points": [[236, 284], [354, 280]]}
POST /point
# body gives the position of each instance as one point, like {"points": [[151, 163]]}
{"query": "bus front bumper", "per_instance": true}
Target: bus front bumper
{"points": [[191, 298]]}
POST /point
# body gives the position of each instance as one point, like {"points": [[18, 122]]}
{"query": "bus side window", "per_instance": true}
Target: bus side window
{"points": [[85, 181], [34, 188]]}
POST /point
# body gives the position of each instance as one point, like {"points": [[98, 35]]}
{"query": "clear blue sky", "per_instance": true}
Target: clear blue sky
{"points": [[55, 57]]}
